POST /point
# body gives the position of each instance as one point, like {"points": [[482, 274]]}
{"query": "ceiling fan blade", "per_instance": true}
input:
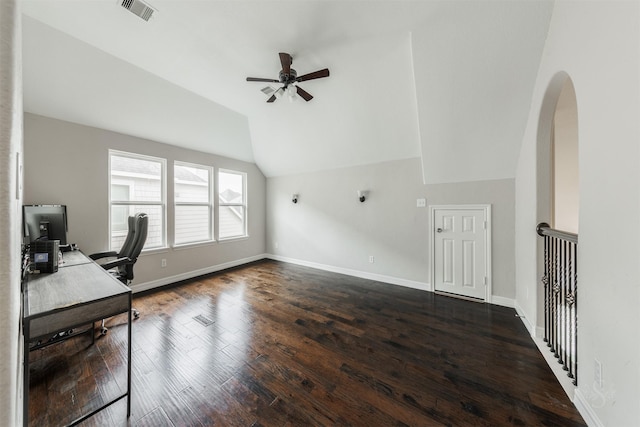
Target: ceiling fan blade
{"points": [[258, 79], [304, 94], [277, 94], [286, 61], [315, 75]]}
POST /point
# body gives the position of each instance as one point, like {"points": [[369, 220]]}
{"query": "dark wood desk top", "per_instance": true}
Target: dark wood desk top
{"points": [[72, 258], [76, 283]]}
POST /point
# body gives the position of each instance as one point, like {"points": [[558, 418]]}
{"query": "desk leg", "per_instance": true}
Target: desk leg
{"points": [[25, 376], [129, 362]]}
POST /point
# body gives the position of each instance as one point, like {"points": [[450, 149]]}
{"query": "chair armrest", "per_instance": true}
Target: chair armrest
{"points": [[115, 263], [100, 255]]}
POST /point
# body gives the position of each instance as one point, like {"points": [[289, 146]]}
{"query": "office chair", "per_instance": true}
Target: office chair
{"points": [[122, 266]]}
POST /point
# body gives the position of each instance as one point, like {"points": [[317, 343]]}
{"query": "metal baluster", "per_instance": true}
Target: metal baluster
{"points": [[560, 313], [554, 308], [547, 289], [575, 316], [568, 365], [552, 281], [564, 324]]}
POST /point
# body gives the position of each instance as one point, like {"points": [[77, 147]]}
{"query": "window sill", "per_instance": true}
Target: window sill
{"points": [[182, 246], [233, 239], [153, 251]]}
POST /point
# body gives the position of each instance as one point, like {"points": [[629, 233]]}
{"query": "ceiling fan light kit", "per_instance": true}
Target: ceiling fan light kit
{"points": [[288, 77]]}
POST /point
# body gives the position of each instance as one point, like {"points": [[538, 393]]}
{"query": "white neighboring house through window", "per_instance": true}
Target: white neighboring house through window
{"points": [[137, 185], [193, 203], [232, 204]]}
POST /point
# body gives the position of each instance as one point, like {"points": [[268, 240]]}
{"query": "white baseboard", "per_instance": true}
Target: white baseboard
{"points": [[423, 286], [195, 273], [574, 393], [504, 302], [586, 410], [355, 273], [525, 319], [556, 368]]}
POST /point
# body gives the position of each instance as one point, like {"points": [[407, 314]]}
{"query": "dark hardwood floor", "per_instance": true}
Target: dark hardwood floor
{"points": [[274, 344]]}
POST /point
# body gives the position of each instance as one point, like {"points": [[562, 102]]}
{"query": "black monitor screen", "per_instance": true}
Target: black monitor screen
{"points": [[45, 222]]}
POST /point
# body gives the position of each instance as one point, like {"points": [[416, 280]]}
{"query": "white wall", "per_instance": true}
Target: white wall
{"points": [[597, 45], [566, 175], [475, 65], [67, 163], [10, 201], [329, 227]]}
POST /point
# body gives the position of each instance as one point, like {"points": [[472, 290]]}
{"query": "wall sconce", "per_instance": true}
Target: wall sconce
{"points": [[294, 198], [362, 195]]}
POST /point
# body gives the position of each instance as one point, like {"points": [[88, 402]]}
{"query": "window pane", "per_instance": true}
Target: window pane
{"points": [[230, 187], [154, 231], [144, 177], [119, 221], [231, 221], [120, 192], [191, 184], [192, 224]]}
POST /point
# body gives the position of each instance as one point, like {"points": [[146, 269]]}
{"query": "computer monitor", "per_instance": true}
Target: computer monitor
{"points": [[45, 222]]}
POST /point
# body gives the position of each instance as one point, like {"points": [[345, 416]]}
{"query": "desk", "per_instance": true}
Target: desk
{"points": [[79, 293]]}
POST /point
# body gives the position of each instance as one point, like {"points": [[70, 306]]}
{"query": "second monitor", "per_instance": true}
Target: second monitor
{"points": [[45, 222]]}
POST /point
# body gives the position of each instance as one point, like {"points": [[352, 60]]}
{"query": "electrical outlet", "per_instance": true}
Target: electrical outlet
{"points": [[275, 245], [371, 259], [163, 263], [597, 374], [421, 203]]}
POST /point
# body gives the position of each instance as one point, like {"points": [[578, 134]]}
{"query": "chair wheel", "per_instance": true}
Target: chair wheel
{"points": [[103, 331], [136, 314]]}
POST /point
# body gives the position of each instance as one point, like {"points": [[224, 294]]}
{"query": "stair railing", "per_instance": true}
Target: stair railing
{"points": [[560, 282]]}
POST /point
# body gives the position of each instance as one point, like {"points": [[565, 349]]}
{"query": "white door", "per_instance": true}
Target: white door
{"points": [[460, 250]]}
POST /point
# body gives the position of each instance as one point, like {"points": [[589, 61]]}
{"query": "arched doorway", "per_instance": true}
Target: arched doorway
{"points": [[565, 169], [558, 215]]}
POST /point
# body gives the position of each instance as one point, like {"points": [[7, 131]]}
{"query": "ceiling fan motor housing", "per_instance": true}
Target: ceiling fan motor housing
{"points": [[288, 78]]}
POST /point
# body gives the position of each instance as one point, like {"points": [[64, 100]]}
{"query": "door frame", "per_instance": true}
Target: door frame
{"points": [[487, 239]]}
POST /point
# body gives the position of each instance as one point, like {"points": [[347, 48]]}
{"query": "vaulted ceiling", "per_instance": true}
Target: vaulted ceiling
{"points": [[448, 81]]}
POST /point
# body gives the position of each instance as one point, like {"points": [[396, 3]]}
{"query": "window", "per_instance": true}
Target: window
{"points": [[193, 203], [137, 184], [232, 204]]}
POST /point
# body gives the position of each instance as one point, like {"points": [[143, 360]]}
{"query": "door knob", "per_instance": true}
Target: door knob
{"points": [[439, 230]]}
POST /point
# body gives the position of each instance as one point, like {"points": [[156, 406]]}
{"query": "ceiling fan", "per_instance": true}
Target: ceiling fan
{"points": [[288, 77]]}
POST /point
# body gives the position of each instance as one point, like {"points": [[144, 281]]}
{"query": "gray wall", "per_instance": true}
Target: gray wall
{"points": [[330, 227], [67, 163]]}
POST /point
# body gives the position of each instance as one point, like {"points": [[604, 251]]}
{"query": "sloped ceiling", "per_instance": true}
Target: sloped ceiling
{"points": [[446, 80]]}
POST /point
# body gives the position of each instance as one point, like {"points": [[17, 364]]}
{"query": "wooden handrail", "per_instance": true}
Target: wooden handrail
{"points": [[544, 229]]}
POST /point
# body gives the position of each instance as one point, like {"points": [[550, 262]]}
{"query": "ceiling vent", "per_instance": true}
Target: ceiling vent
{"points": [[138, 8]]}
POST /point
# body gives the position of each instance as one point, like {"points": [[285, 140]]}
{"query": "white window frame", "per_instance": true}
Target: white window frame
{"points": [[209, 203], [163, 193], [243, 204]]}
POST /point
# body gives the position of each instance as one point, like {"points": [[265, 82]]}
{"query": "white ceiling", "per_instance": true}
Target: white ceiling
{"points": [[408, 78]]}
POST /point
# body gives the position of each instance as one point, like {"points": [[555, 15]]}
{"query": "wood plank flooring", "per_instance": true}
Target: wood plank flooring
{"points": [[274, 344]]}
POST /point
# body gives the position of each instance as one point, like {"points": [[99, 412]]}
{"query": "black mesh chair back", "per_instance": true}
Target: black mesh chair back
{"points": [[125, 250], [140, 227]]}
